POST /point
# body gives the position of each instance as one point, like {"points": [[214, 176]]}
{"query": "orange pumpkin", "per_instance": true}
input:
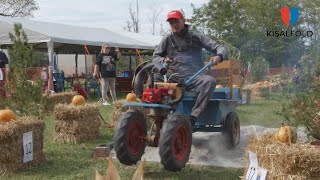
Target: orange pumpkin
{"points": [[286, 135], [78, 100], [259, 84], [7, 115], [131, 97], [219, 86]]}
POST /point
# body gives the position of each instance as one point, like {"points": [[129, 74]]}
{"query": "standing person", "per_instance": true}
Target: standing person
{"points": [[105, 67], [44, 78], [183, 49], [3, 59]]}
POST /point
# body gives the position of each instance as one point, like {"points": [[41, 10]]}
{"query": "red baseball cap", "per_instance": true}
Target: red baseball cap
{"points": [[176, 14]]}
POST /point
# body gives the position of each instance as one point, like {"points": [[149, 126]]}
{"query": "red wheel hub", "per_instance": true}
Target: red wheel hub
{"points": [[181, 142], [136, 138]]}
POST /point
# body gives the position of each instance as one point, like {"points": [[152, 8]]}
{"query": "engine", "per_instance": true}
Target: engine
{"points": [[155, 95]]}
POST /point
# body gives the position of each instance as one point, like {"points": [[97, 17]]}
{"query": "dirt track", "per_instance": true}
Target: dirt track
{"points": [[208, 149]]}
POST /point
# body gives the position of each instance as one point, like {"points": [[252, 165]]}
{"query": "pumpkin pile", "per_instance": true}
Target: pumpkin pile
{"points": [[78, 100], [7, 115]]}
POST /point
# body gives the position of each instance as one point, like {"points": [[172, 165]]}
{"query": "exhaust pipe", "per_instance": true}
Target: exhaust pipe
{"points": [[139, 79]]}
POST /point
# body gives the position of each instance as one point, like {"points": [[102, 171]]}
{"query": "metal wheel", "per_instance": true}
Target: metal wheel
{"points": [[175, 142], [130, 137], [231, 130]]}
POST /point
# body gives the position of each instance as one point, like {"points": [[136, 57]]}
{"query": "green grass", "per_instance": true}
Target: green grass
{"points": [[68, 161], [262, 112]]}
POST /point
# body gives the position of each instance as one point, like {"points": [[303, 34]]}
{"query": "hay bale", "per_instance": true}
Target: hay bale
{"points": [[74, 124], [118, 109], [63, 97], [297, 161], [11, 144]]}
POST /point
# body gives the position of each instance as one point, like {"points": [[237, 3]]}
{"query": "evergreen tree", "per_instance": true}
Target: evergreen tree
{"points": [[25, 97]]}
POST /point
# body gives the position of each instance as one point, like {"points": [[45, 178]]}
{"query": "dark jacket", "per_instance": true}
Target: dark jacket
{"points": [[198, 41], [190, 44]]}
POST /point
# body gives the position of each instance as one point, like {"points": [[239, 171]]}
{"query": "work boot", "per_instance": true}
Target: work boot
{"points": [[192, 120]]}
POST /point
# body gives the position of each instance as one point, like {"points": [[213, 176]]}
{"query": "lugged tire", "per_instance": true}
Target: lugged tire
{"points": [[129, 143], [231, 130], [175, 142]]}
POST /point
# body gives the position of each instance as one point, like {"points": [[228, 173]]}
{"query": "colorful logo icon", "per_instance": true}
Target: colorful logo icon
{"points": [[289, 16]]}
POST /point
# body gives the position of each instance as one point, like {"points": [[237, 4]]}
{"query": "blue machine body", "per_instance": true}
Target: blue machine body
{"points": [[211, 120], [219, 105]]}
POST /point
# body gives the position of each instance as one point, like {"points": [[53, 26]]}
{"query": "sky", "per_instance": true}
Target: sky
{"points": [[110, 14]]}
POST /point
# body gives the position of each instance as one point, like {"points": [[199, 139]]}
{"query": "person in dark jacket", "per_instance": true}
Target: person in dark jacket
{"points": [[3, 59], [183, 50]]}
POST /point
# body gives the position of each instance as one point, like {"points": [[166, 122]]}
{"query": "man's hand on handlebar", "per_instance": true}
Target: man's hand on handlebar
{"points": [[215, 60], [168, 60]]}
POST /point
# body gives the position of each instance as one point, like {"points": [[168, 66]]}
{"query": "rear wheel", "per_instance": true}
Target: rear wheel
{"points": [[130, 137], [175, 142], [231, 130]]}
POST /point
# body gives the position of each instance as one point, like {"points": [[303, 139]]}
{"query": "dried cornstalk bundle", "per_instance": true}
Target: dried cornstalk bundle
{"points": [[11, 143]]}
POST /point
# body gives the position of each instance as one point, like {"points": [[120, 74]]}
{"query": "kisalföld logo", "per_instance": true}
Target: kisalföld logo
{"points": [[289, 16]]}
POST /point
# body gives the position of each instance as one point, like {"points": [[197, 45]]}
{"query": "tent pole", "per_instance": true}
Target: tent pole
{"points": [[50, 51], [85, 64], [130, 63], [76, 60]]}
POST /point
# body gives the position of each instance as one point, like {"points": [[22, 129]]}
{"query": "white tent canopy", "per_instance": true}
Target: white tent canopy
{"points": [[65, 39]]}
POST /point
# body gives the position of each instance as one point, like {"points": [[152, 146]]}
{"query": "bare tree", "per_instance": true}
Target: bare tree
{"points": [[133, 24], [154, 17], [18, 8], [128, 26], [163, 30]]}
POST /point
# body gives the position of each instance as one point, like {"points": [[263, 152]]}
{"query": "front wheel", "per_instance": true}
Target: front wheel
{"points": [[231, 130], [130, 137], [175, 142]]}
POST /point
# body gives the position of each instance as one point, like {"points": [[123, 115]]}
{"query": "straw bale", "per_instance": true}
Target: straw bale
{"points": [[118, 109], [297, 161], [75, 113], [74, 124], [11, 143], [63, 97]]}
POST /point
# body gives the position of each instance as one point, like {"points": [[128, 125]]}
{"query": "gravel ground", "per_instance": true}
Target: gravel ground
{"points": [[207, 148]]}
